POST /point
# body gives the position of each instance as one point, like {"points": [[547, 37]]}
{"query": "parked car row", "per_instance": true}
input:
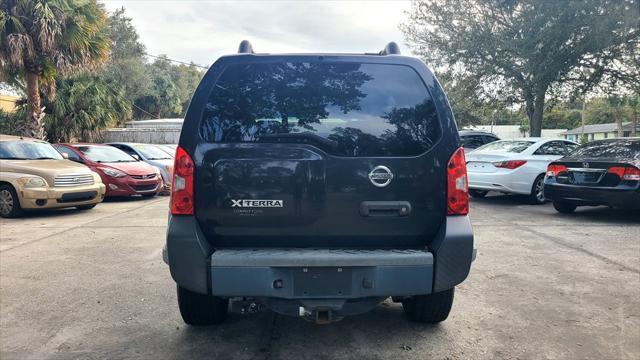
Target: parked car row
{"points": [[605, 172], [37, 175]]}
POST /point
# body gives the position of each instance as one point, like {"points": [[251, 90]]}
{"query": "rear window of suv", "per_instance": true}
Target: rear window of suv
{"points": [[345, 108]]}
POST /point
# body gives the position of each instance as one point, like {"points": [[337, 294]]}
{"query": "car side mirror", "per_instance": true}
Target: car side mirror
{"points": [[136, 157], [65, 156]]}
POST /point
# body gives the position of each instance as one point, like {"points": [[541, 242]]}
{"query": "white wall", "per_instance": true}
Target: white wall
{"points": [[147, 136], [513, 131]]}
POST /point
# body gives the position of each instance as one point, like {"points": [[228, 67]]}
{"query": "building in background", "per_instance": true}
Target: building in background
{"points": [[8, 102], [600, 131]]}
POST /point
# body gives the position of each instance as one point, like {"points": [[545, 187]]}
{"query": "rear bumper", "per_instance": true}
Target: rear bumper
{"points": [[583, 195], [318, 273]]}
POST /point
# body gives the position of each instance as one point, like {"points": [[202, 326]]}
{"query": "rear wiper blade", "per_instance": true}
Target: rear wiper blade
{"points": [[44, 158], [300, 138]]}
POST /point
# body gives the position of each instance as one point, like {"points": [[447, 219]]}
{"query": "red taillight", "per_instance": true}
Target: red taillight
{"points": [[554, 170], [511, 164], [457, 186], [182, 187], [625, 173]]}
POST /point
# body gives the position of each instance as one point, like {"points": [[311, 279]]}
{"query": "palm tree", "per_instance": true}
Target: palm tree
{"points": [[84, 106], [40, 39]]}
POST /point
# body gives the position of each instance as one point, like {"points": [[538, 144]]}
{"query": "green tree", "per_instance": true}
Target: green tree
{"points": [[127, 66], [84, 105], [529, 47], [43, 39], [634, 105]]}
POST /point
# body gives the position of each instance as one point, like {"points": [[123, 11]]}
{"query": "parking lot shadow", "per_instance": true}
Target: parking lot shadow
{"points": [[586, 214], [268, 335]]}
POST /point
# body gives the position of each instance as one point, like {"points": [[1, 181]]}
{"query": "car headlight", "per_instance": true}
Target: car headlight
{"points": [[113, 172], [32, 182]]}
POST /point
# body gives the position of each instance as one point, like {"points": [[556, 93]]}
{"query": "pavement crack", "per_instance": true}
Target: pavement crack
{"points": [[270, 336], [566, 244]]}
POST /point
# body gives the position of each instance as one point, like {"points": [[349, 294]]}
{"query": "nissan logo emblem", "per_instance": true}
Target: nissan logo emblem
{"points": [[380, 176]]}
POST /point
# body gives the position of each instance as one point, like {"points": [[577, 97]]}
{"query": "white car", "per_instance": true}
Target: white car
{"points": [[514, 166]]}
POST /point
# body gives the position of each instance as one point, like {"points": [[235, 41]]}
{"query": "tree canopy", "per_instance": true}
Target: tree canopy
{"points": [[529, 50], [44, 39]]}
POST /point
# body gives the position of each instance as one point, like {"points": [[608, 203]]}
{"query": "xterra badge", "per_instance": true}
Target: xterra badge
{"points": [[257, 203]]}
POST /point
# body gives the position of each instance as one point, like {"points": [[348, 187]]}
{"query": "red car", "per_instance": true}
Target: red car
{"points": [[122, 174]]}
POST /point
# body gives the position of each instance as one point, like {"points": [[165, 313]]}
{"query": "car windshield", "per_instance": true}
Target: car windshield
{"points": [[169, 149], [28, 150], [349, 109], [105, 154], [619, 149], [151, 152], [512, 146]]}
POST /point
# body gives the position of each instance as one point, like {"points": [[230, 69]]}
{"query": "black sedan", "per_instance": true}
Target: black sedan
{"points": [[603, 172]]}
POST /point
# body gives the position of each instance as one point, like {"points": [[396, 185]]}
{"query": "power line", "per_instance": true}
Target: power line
{"points": [[132, 103], [175, 61]]}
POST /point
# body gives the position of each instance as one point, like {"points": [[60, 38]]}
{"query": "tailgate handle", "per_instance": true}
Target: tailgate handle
{"points": [[385, 208]]}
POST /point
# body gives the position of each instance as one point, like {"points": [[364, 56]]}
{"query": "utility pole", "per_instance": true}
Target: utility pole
{"points": [[584, 107]]}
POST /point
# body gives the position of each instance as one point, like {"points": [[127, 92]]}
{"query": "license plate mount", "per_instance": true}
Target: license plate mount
{"points": [[321, 281]]}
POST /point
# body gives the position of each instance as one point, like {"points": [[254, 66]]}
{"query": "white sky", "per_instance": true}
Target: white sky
{"points": [[201, 31]]}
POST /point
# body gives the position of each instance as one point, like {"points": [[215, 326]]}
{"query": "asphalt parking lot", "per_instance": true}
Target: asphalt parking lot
{"points": [[92, 284]]}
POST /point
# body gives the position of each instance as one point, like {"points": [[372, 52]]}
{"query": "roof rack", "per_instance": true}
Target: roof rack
{"points": [[245, 47], [391, 49]]}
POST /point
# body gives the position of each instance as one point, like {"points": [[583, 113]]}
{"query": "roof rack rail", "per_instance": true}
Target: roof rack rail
{"points": [[391, 49], [245, 47]]}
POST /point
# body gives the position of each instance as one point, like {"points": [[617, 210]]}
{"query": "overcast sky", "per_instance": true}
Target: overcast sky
{"points": [[201, 31]]}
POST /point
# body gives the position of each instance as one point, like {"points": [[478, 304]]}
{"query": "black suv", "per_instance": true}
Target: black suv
{"points": [[471, 140], [318, 186]]}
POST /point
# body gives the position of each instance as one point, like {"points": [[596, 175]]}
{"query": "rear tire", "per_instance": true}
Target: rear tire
{"points": [[537, 191], [9, 202], [430, 309], [478, 194], [199, 309], [86, 207], [564, 207]]}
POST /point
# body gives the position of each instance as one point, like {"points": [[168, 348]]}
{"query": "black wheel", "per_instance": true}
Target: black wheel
{"points": [[537, 191], [564, 207], [199, 309], [432, 308], [477, 193], [9, 202], [86, 207]]}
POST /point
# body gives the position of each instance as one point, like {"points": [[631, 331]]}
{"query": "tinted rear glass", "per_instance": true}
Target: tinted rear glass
{"points": [[347, 109], [619, 149]]}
